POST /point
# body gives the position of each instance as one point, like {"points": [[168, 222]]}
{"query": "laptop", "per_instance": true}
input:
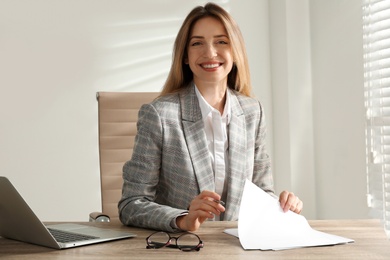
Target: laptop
{"points": [[19, 222]]}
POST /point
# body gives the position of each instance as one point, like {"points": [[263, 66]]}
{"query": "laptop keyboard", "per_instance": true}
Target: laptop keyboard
{"points": [[65, 237]]}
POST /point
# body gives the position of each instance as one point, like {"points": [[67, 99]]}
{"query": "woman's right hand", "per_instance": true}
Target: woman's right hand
{"points": [[202, 207]]}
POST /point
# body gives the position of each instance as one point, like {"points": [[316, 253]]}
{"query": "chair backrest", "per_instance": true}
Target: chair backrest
{"points": [[118, 115]]}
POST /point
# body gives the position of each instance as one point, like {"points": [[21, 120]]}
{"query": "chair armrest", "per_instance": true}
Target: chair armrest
{"points": [[98, 217]]}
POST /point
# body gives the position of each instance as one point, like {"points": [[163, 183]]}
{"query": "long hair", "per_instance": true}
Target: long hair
{"points": [[180, 73]]}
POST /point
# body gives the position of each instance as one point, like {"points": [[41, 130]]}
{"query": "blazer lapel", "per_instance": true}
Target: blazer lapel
{"points": [[237, 159], [196, 139]]}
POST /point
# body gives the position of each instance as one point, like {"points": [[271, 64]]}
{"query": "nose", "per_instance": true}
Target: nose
{"points": [[210, 51]]}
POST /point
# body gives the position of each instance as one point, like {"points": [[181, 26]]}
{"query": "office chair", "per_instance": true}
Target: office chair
{"points": [[117, 120]]}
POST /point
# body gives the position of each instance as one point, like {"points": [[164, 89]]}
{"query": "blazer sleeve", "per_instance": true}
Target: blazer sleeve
{"points": [[262, 174], [141, 177]]}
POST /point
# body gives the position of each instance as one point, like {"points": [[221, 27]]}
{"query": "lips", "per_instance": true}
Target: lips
{"points": [[210, 65]]}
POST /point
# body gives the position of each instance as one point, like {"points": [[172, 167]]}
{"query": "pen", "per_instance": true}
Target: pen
{"points": [[220, 202]]}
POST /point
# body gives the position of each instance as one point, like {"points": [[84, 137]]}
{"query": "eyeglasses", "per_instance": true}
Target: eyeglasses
{"points": [[185, 242]]}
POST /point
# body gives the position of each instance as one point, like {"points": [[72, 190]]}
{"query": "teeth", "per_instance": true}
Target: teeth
{"points": [[210, 66]]}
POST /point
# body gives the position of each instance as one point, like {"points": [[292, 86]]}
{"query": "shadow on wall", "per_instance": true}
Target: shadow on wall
{"points": [[136, 55]]}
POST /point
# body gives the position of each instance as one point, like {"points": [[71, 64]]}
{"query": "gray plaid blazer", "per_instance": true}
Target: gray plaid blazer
{"points": [[170, 164]]}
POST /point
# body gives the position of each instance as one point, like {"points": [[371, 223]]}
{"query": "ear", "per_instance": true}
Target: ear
{"points": [[186, 61]]}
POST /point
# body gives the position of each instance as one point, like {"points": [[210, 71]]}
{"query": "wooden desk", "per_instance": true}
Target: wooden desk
{"points": [[369, 236]]}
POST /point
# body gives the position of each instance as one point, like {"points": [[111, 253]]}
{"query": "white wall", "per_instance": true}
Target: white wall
{"points": [[318, 109], [292, 100], [55, 55], [339, 116]]}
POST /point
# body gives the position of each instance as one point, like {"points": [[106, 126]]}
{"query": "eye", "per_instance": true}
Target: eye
{"points": [[222, 42], [195, 43]]}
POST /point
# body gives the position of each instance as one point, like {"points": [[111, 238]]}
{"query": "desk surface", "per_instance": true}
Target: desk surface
{"points": [[369, 236]]}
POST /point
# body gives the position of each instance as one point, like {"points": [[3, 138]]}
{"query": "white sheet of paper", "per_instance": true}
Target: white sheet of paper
{"points": [[262, 224]]}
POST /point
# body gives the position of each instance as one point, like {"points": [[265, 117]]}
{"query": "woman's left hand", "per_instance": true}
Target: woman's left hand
{"points": [[288, 201]]}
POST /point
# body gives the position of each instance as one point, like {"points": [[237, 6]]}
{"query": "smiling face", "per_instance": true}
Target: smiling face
{"points": [[209, 52]]}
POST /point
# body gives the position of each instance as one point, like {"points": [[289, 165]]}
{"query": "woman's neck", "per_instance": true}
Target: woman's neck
{"points": [[214, 94]]}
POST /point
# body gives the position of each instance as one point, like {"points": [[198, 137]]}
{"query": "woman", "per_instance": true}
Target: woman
{"points": [[203, 137]]}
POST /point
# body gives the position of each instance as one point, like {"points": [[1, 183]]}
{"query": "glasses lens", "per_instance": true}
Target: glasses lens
{"points": [[188, 242], [158, 240]]}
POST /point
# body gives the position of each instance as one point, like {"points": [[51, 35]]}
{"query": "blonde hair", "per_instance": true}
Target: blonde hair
{"points": [[180, 75]]}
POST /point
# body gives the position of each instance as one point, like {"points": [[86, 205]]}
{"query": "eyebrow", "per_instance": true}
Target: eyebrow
{"points": [[215, 36]]}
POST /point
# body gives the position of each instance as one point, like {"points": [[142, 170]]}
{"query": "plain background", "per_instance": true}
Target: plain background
{"points": [[306, 61]]}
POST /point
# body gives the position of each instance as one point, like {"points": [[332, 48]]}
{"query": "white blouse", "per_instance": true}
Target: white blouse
{"points": [[216, 128]]}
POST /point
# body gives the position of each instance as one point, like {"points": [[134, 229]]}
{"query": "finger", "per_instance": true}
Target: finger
{"points": [[212, 199], [283, 198], [202, 215], [212, 206], [198, 200], [206, 205], [298, 208], [294, 203], [288, 205], [294, 206], [218, 206], [290, 202], [210, 195]]}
